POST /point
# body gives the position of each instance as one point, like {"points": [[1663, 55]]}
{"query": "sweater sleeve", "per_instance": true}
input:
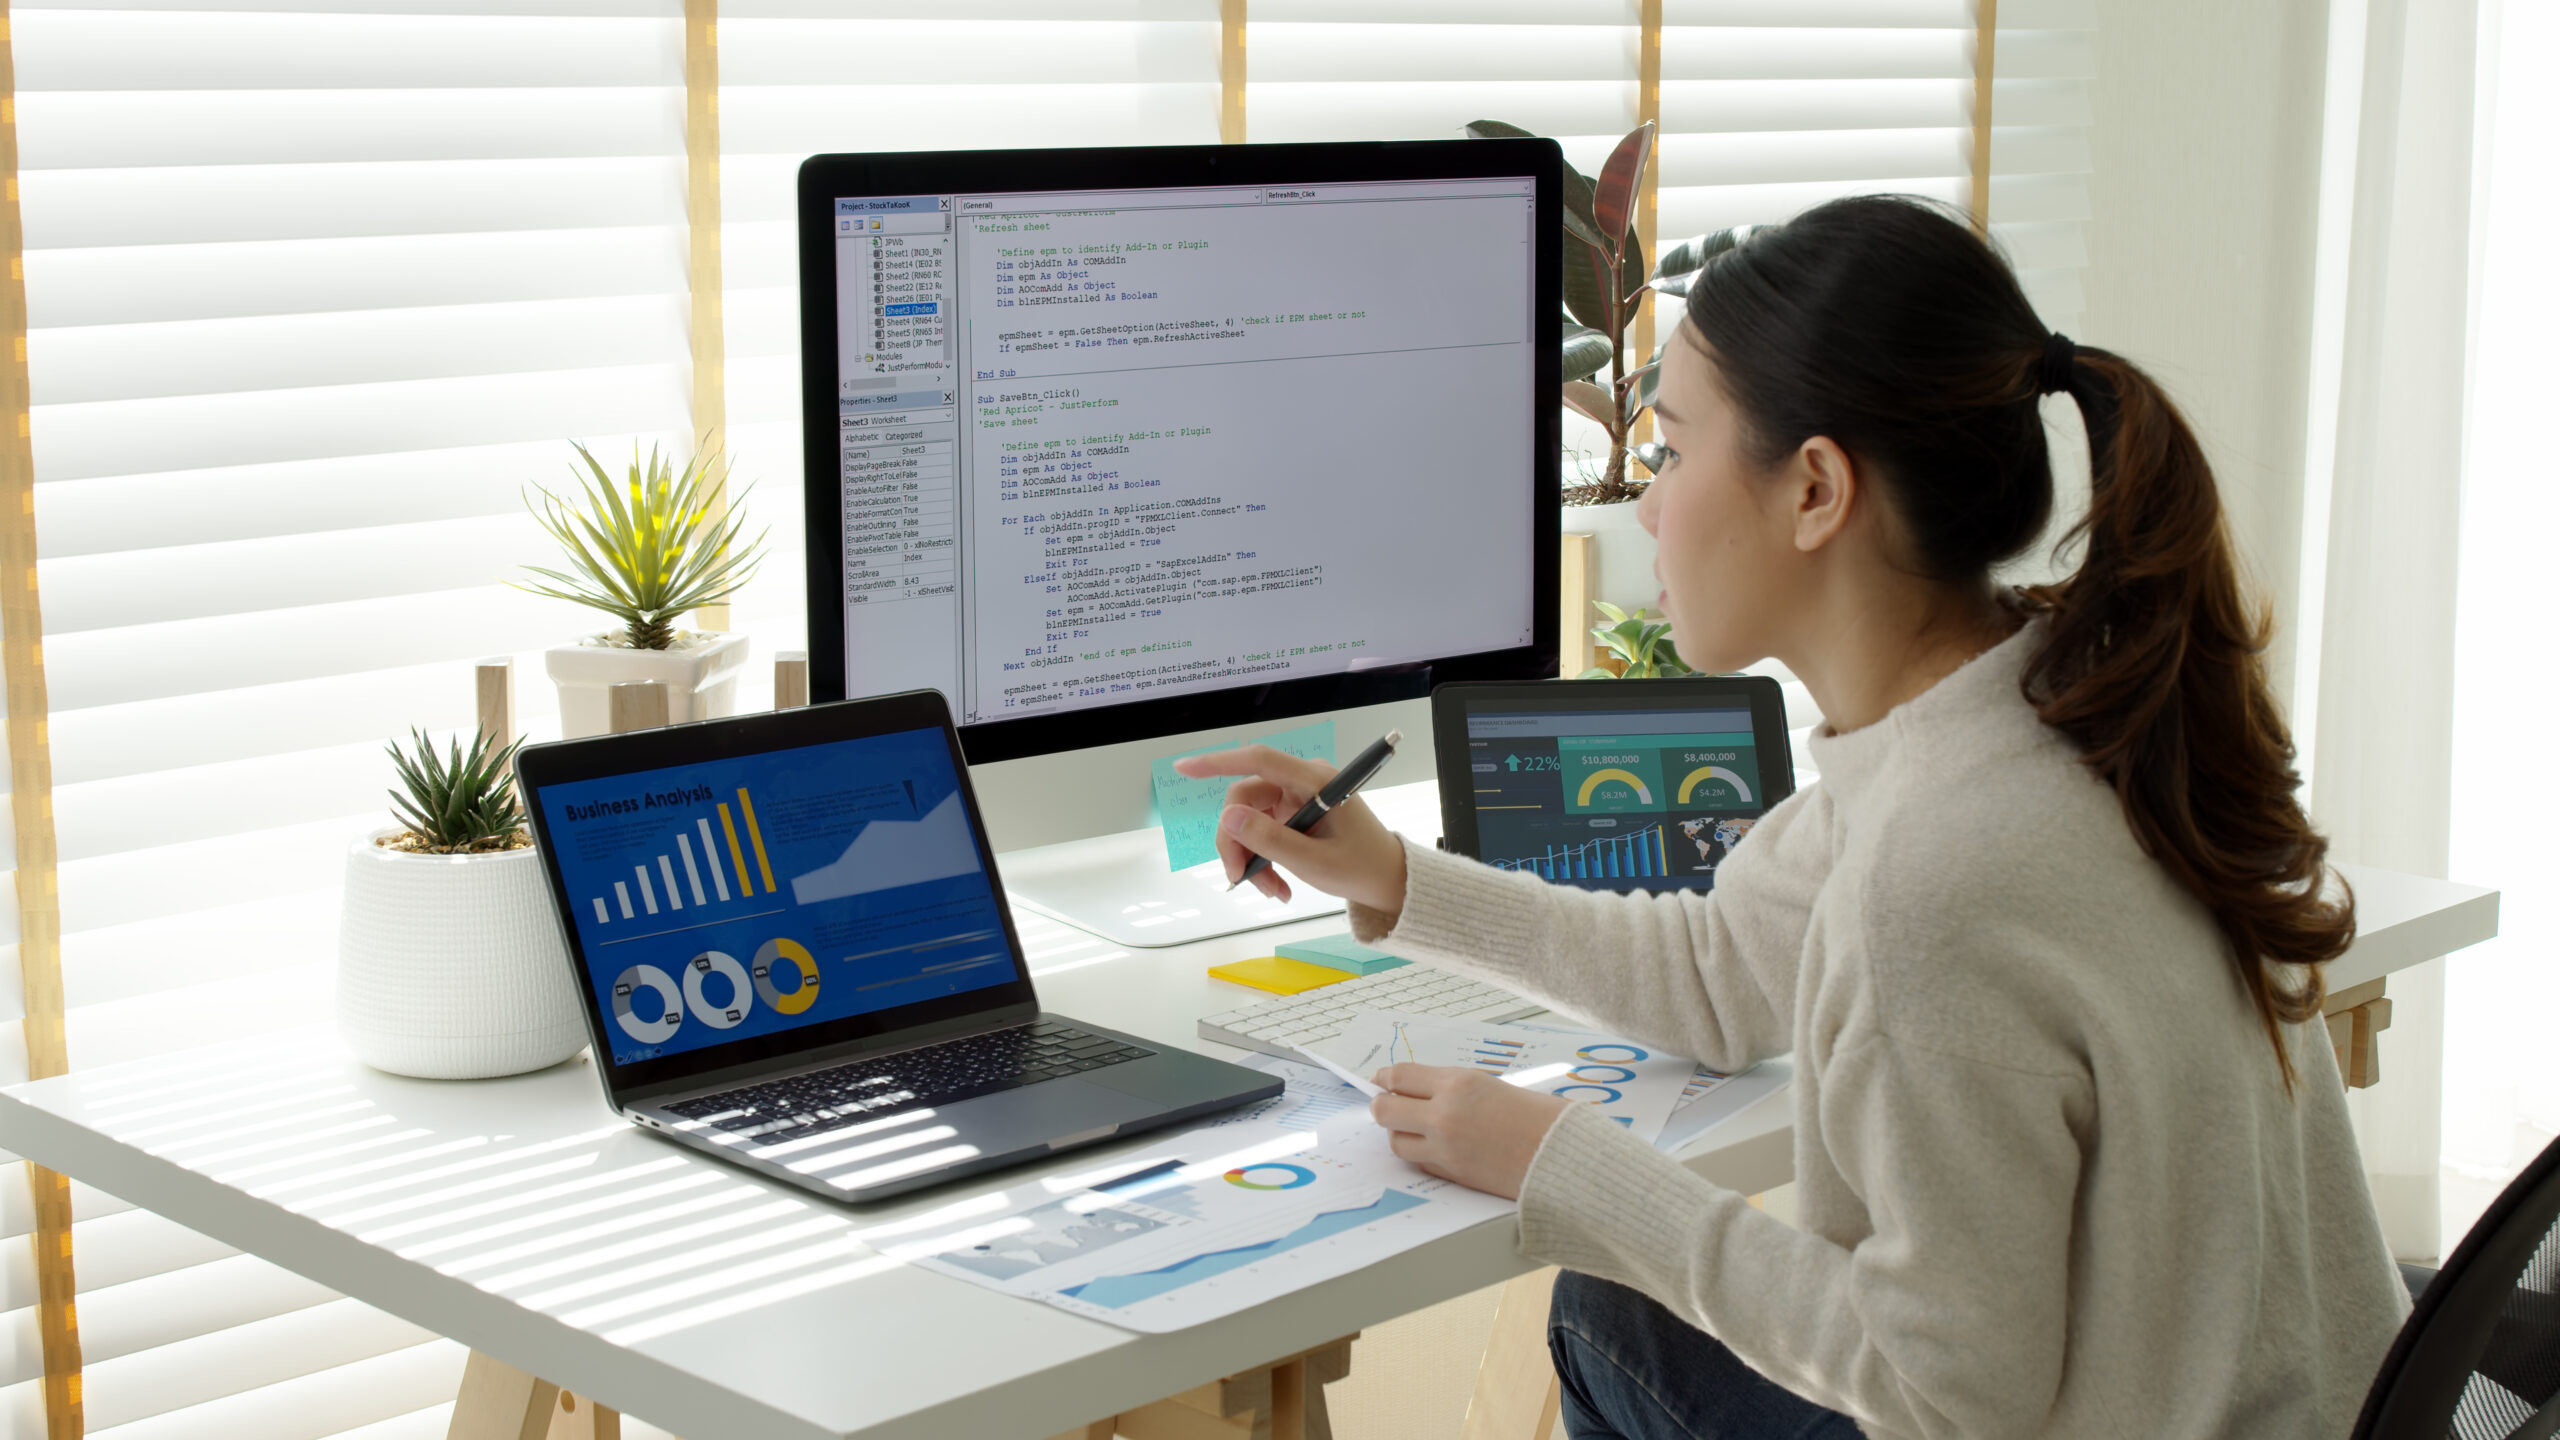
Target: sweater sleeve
{"points": [[1948, 1319], [1710, 976]]}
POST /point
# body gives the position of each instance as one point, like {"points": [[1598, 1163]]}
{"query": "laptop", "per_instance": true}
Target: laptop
{"points": [[794, 953], [1632, 785]]}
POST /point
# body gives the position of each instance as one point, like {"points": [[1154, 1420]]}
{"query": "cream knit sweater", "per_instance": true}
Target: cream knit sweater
{"points": [[2049, 1179]]}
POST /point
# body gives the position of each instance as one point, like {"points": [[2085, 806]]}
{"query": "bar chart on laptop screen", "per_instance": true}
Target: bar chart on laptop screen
{"points": [[1614, 800], [737, 897]]}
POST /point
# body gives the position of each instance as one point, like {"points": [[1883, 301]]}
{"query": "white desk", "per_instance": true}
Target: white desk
{"points": [[423, 1197]]}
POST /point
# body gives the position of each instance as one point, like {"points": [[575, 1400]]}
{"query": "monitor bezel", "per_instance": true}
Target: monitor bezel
{"points": [[1451, 705], [825, 178], [710, 741]]}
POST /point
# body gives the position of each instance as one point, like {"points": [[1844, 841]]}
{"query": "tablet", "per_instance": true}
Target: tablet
{"points": [[1610, 784]]}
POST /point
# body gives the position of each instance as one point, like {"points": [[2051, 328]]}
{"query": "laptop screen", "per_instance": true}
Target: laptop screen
{"points": [[749, 895]]}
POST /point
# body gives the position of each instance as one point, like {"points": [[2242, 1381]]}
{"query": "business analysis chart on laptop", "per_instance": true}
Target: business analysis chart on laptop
{"points": [[746, 895]]}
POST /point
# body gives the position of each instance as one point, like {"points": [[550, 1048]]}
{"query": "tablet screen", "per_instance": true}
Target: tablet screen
{"points": [[1635, 798]]}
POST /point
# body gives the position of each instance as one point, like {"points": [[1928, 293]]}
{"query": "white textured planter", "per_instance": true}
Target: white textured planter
{"points": [[700, 672], [450, 966], [1625, 577]]}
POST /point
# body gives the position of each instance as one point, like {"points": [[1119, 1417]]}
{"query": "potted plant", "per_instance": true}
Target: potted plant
{"points": [[1606, 287], [1639, 647], [449, 958], [644, 550]]}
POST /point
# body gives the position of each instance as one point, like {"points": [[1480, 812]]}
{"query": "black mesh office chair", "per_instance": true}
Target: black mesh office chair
{"points": [[2480, 1356]]}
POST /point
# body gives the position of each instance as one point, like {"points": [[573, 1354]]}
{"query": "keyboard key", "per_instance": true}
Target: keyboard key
{"points": [[935, 1074]]}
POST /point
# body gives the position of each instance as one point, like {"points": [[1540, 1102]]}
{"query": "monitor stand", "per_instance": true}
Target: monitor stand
{"points": [[1120, 888]]}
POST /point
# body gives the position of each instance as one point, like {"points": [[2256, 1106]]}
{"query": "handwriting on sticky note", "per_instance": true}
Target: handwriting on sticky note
{"points": [[1188, 809]]}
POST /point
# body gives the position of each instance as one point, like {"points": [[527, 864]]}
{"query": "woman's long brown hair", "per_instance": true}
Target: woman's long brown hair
{"points": [[1890, 327]]}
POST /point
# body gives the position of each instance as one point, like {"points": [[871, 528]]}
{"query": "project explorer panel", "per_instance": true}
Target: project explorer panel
{"points": [[1106, 446]]}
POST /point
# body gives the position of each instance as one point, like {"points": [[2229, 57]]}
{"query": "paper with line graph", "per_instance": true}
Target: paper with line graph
{"points": [[1635, 1085], [1269, 1199]]}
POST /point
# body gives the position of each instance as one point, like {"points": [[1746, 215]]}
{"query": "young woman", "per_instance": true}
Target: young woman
{"points": [[2045, 940]]}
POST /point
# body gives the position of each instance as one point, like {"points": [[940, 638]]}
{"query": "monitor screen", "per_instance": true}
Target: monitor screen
{"points": [[743, 896], [1101, 446], [1639, 798]]}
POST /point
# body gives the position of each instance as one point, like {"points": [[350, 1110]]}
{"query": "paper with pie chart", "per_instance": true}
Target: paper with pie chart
{"points": [[1635, 1085], [1272, 1198]]}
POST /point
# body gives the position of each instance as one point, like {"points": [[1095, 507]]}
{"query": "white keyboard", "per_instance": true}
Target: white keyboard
{"points": [[1274, 1025]]}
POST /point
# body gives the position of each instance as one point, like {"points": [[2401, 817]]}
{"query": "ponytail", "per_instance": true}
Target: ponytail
{"points": [[2151, 665], [1887, 325]]}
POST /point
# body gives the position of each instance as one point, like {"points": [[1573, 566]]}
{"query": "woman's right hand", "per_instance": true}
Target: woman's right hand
{"points": [[1348, 853]]}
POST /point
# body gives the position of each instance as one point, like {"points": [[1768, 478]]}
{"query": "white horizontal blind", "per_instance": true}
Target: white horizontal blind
{"points": [[318, 286], [1768, 106], [315, 290], [806, 77]]}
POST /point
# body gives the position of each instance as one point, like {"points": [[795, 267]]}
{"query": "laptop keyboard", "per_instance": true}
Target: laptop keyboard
{"points": [[942, 1074]]}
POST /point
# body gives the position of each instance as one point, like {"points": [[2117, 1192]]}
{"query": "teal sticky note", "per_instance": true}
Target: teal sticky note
{"points": [[1341, 952], [1188, 809]]}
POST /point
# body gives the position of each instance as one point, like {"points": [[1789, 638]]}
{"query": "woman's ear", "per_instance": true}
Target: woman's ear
{"points": [[1823, 487]]}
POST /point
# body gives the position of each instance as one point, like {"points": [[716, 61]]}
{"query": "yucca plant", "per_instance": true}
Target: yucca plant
{"points": [[647, 548], [1640, 646], [460, 802]]}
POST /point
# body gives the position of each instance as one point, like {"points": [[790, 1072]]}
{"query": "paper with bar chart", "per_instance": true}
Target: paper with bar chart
{"points": [[1298, 1189], [1635, 1085], [1614, 800], [736, 897]]}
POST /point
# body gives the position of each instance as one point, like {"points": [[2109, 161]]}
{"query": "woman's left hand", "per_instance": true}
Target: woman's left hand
{"points": [[1462, 1124]]}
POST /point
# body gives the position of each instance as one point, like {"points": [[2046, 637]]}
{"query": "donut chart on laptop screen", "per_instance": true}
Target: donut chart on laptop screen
{"points": [[743, 896]]}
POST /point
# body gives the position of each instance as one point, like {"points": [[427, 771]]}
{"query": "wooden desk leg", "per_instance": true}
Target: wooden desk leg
{"points": [[580, 1418], [500, 1402], [1517, 1395], [2356, 1017], [1281, 1401]]}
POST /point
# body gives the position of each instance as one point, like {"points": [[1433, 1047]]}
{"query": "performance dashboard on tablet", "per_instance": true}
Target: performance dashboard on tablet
{"points": [[1610, 785]]}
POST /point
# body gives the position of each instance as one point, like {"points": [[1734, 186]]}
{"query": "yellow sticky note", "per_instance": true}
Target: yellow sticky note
{"points": [[1279, 975]]}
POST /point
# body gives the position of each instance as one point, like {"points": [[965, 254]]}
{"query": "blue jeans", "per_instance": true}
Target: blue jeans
{"points": [[1632, 1370]]}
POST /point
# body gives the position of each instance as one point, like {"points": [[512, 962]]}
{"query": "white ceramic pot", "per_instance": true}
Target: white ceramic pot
{"points": [[450, 966], [1626, 577], [700, 672]]}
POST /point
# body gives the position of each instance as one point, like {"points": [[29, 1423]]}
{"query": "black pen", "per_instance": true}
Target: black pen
{"points": [[1338, 789]]}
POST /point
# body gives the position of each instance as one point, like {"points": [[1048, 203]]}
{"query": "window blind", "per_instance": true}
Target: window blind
{"points": [[807, 77], [314, 291], [1769, 107], [318, 287]]}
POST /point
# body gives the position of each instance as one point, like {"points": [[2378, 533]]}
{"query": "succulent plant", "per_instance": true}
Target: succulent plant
{"points": [[647, 548], [461, 801]]}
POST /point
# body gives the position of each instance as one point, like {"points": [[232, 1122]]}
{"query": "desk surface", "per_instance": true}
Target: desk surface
{"points": [[520, 1217]]}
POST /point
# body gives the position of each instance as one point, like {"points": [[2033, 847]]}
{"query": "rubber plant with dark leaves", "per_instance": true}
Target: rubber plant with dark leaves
{"points": [[1606, 285]]}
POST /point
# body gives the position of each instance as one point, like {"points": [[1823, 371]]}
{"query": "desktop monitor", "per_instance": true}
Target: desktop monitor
{"points": [[1127, 451]]}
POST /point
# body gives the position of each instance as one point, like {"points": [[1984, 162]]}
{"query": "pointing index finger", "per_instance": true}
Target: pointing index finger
{"points": [[1289, 770]]}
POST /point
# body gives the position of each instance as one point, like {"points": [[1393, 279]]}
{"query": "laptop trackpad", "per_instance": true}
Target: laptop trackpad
{"points": [[1035, 1115]]}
